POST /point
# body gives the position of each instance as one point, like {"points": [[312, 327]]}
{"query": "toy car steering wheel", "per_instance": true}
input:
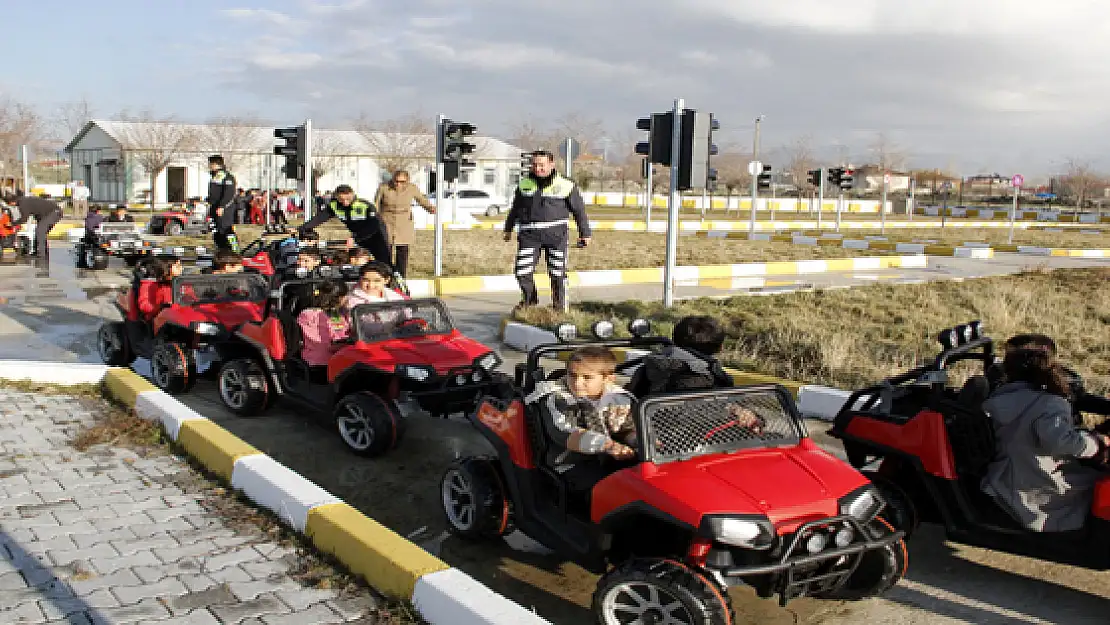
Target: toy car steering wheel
{"points": [[417, 324]]}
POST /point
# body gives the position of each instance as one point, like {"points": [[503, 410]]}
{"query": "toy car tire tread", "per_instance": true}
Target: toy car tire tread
{"points": [[172, 367], [491, 516], [704, 602], [111, 343], [878, 571], [380, 417], [237, 394], [900, 511]]}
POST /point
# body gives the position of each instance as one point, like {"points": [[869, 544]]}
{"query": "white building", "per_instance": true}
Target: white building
{"points": [[114, 158]]}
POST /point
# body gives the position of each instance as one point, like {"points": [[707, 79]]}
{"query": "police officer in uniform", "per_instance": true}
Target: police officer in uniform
{"points": [[542, 206], [221, 213], [46, 213], [361, 218]]}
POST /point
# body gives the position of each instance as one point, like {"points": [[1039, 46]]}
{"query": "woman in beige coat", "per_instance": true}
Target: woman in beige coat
{"points": [[394, 201]]}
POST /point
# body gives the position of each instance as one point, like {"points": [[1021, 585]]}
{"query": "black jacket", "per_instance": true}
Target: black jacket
{"points": [[113, 219], [361, 218], [542, 203], [221, 190], [32, 206], [675, 370]]}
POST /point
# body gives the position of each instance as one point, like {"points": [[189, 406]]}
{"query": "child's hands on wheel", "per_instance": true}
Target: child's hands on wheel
{"points": [[619, 451]]}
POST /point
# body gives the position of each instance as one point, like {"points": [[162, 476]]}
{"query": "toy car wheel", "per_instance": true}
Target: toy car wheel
{"points": [[659, 591], [172, 367], [174, 228], [367, 423], [111, 343], [878, 570], [96, 259], [244, 387], [900, 510], [22, 247], [474, 501]]}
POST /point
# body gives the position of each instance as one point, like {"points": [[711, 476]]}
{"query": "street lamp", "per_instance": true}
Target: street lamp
{"points": [[753, 172]]}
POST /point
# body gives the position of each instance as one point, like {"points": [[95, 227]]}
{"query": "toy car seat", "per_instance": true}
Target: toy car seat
{"points": [[974, 392]]}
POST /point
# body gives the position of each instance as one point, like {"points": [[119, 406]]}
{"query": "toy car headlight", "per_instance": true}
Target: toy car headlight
{"points": [[113, 244], [203, 327], [948, 339], [862, 505], [749, 533], [415, 373], [488, 362], [976, 330], [603, 329], [639, 327], [301, 272], [566, 332]]}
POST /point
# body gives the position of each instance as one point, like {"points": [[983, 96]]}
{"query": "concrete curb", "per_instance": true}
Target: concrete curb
{"points": [[390, 563], [870, 243], [814, 401]]}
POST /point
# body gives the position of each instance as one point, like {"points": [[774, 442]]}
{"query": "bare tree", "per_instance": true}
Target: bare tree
{"points": [[529, 136], [72, 117], [234, 138], [886, 154], [155, 142], [19, 125], [800, 161], [732, 171], [327, 152], [399, 144], [1080, 180]]}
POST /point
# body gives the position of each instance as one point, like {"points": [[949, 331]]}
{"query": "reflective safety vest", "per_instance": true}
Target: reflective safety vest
{"points": [[359, 210], [560, 187]]}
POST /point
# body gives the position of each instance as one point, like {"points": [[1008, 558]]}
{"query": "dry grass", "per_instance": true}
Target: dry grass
{"points": [[1069, 238], [848, 338], [116, 427]]}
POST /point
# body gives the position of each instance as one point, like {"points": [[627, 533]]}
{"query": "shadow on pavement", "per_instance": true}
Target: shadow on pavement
{"points": [[42, 586]]}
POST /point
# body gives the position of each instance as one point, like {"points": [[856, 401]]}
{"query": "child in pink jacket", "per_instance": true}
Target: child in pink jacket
{"points": [[323, 324]]}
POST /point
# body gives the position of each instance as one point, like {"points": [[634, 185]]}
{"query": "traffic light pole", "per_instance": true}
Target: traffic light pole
{"points": [[1013, 213], [882, 207], [674, 206], [839, 207], [755, 174], [650, 195], [309, 199], [438, 240], [821, 195], [912, 206]]}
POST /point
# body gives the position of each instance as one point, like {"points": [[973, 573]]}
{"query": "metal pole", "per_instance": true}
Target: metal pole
{"points": [[675, 204], [944, 208], [27, 175], [820, 197], [839, 207], [755, 157], [882, 208], [438, 240], [772, 204], [704, 202], [570, 158], [454, 201], [913, 200], [309, 207], [1013, 214], [650, 194]]}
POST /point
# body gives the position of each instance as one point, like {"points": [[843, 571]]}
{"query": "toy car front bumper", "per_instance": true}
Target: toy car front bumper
{"points": [[456, 391]]}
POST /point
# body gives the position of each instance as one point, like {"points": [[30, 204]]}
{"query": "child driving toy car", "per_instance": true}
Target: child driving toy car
{"points": [[689, 364], [588, 415], [1037, 477], [373, 286], [156, 294], [322, 325]]}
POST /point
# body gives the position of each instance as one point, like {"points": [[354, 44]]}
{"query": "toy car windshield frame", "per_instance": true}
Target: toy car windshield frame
{"points": [[431, 310], [195, 289], [680, 426]]}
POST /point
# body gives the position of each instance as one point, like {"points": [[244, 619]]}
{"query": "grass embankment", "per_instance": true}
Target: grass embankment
{"points": [[849, 338], [484, 252]]}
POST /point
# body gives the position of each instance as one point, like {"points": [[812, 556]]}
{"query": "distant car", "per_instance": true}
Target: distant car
{"points": [[476, 202], [180, 222]]}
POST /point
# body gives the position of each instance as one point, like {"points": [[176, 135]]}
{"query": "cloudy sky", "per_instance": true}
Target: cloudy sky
{"points": [[977, 85]]}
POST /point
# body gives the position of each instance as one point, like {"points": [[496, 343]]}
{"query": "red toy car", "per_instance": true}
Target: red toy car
{"points": [[398, 350], [710, 502], [206, 310], [933, 444]]}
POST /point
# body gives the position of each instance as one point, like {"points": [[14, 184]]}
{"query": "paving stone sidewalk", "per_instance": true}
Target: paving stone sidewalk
{"points": [[107, 536]]}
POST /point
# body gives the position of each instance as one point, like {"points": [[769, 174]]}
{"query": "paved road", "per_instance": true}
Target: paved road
{"points": [[946, 583], [107, 536]]}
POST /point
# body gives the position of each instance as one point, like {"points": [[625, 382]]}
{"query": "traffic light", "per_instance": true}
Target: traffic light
{"points": [[453, 147], [660, 127], [525, 161], [296, 142], [847, 179], [835, 176], [814, 177], [645, 167], [697, 147], [711, 180], [764, 178]]}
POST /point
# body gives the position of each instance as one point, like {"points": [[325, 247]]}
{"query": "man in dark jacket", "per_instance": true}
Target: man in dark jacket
{"points": [[542, 206], [119, 215], [361, 218], [221, 213], [46, 213]]}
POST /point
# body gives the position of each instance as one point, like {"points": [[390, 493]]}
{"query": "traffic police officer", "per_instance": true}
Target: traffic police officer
{"points": [[361, 218], [221, 193], [542, 206]]}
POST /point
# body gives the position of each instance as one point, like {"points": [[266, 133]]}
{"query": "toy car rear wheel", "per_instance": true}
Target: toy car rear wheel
{"points": [[172, 367], [369, 424], [474, 501], [174, 228], [111, 343], [244, 387], [96, 259], [900, 510], [878, 570], [660, 591]]}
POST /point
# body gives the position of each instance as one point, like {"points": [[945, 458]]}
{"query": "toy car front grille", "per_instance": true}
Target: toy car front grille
{"points": [[695, 426]]}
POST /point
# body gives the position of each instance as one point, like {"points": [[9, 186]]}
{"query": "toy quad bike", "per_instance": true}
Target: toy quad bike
{"points": [[933, 444], [205, 312], [124, 240], [401, 350], [711, 501]]}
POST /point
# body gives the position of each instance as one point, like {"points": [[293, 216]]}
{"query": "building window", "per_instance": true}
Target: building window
{"points": [[514, 178], [489, 176], [464, 176]]}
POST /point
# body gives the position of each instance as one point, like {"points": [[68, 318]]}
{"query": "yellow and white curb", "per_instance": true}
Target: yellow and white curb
{"points": [[704, 275], [1031, 250], [867, 243], [814, 401], [389, 563]]}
